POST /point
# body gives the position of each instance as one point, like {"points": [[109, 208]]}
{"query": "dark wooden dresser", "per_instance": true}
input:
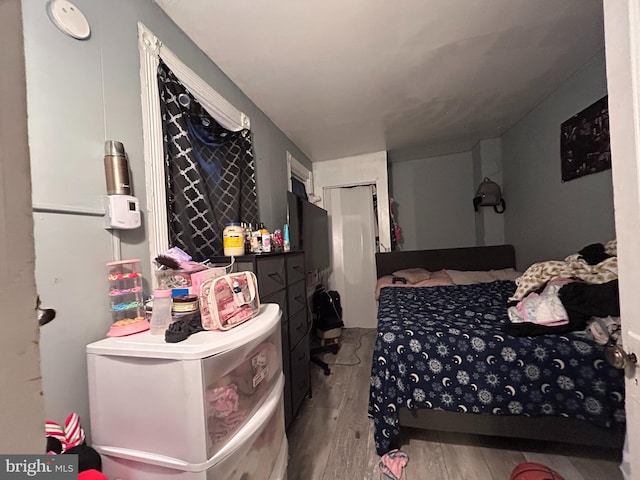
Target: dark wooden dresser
{"points": [[281, 280]]}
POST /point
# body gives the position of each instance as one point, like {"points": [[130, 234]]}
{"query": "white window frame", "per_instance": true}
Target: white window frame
{"points": [[299, 172], [151, 51]]}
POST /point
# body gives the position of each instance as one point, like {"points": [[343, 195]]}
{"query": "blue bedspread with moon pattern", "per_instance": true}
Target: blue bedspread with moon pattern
{"points": [[443, 348]]}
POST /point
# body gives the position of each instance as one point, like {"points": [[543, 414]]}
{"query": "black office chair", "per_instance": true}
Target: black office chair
{"points": [[332, 347], [327, 315]]}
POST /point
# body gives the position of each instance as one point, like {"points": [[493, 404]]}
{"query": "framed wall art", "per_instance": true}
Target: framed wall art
{"points": [[584, 143]]}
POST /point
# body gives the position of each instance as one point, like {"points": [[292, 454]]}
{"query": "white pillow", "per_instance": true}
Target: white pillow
{"points": [[505, 274], [413, 275], [468, 277]]}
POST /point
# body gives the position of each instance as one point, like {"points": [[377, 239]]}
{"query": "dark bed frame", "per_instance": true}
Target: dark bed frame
{"points": [[558, 429]]}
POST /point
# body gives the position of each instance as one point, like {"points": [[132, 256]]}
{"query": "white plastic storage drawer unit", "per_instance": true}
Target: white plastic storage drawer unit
{"points": [[258, 451], [182, 400]]}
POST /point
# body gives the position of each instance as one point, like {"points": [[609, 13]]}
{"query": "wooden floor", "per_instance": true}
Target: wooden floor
{"points": [[332, 438]]}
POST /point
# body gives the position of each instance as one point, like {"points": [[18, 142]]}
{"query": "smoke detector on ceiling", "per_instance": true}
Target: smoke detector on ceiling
{"points": [[68, 18]]}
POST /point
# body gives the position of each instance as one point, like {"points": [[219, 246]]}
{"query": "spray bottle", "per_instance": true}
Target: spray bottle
{"points": [[287, 245]]}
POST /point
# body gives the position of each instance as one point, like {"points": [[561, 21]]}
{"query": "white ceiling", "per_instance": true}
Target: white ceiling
{"points": [[346, 77]]}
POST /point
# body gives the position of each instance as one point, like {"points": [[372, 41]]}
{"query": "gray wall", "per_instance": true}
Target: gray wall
{"points": [[434, 201], [81, 93], [487, 162], [547, 219]]}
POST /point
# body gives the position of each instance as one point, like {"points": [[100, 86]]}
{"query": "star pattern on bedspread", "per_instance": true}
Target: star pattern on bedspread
{"points": [[443, 348]]}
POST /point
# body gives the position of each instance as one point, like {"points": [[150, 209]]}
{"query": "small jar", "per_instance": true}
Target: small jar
{"points": [[185, 304], [161, 312], [233, 240]]}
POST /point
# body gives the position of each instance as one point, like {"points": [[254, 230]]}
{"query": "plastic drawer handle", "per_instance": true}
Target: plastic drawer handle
{"points": [[300, 327], [299, 298], [297, 268]]}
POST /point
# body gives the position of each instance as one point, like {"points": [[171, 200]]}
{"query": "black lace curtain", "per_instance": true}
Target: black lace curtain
{"points": [[210, 172]]}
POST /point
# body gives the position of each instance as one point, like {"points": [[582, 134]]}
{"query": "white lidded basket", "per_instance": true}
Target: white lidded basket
{"points": [[151, 396], [255, 452]]}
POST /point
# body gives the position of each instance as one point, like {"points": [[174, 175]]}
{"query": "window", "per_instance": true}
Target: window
{"points": [[151, 51], [298, 172]]}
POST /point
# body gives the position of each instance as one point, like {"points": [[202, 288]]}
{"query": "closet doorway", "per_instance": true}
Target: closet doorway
{"points": [[352, 224]]}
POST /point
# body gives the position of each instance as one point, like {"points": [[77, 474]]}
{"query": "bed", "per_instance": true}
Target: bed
{"points": [[442, 361]]}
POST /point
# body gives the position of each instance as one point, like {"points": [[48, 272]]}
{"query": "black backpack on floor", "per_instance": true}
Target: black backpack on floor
{"points": [[327, 311]]}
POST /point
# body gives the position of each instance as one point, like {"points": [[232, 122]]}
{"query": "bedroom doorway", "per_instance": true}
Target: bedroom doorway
{"points": [[353, 230]]}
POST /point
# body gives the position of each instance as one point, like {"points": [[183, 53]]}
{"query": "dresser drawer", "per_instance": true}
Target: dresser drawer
{"points": [[271, 275], [300, 380], [279, 298], [197, 403], [297, 298], [241, 266], [295, 268], [286, 369], [297, 327]]}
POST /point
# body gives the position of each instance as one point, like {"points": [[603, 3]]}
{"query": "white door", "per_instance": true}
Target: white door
{"points": [[622, 36], [353, 274], [21, 404]]}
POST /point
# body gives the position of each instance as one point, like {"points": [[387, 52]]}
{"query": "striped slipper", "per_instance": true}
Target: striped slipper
{"points": [[73, 432], [70, 436], [53, 430]]}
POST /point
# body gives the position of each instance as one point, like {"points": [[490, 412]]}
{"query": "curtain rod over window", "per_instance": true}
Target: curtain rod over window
{"points": [[214, 103]]}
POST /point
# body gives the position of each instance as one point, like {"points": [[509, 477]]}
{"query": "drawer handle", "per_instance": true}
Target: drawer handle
{"points": [[301, 357], [300, 327], [275, 276], [299, 298], [298, 268]]}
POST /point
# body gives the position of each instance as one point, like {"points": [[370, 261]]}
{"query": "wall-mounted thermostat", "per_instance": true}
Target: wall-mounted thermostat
{"points": [[123, 211]]}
